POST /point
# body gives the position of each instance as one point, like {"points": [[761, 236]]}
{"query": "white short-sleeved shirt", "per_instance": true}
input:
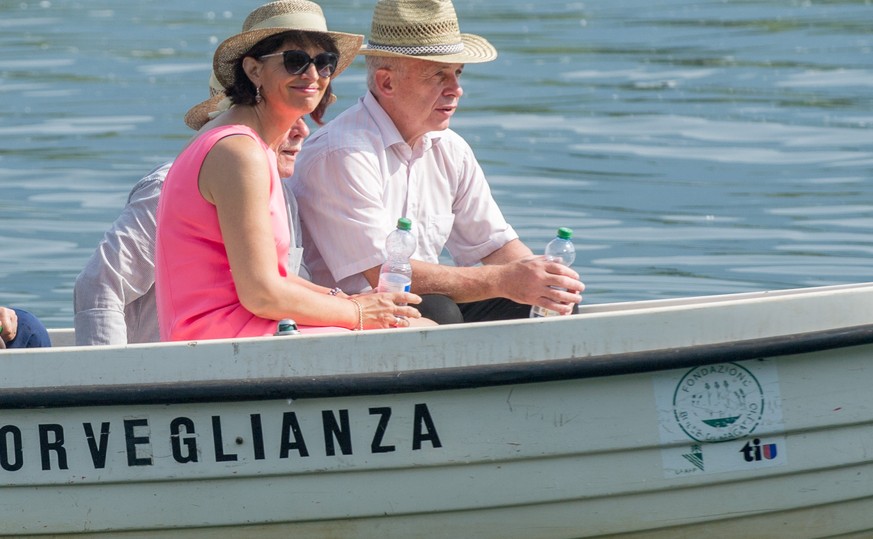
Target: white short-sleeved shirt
{"points": [[356, 176]]}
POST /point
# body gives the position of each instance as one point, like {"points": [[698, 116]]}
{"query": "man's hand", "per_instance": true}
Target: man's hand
{"points": [[9, 321], [511, 272], [534, 280]]}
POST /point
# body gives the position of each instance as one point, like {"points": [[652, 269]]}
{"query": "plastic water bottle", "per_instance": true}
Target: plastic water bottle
{"points": [[396, 272], [560, 250], [286, 326]]}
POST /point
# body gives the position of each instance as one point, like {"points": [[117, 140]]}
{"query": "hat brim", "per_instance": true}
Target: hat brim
{"points": [[477, 50], [234, 47], [198, 115]]}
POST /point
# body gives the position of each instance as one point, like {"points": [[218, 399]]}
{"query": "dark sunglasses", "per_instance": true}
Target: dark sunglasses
{"points": [[296, 62]]}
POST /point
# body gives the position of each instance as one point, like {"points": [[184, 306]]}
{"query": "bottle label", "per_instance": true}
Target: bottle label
{"points": [[394, 282], [541, 312]]}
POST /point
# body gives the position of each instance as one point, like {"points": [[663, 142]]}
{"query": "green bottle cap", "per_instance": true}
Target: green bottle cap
{"points": [[565, 233], [404, 224]]}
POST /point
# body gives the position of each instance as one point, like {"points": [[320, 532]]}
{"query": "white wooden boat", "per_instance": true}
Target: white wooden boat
{"points": [[745, 415]]}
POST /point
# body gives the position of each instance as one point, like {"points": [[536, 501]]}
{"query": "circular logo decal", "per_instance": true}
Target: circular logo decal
{"points": [[716, 403]]}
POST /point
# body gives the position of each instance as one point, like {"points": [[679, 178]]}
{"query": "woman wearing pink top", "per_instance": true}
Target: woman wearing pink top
{"points": [[222, 232]]}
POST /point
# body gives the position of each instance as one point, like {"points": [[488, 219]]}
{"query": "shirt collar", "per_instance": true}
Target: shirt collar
{"points": [[390, 134]]}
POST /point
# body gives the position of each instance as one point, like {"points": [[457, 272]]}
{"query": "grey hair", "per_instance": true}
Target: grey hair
{"points": [[374, 63]]}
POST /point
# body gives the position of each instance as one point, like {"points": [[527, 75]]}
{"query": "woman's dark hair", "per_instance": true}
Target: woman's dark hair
{"points": [[243, 92]]}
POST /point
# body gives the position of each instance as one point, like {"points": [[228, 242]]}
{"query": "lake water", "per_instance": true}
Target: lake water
{"points": [[694, 147]]}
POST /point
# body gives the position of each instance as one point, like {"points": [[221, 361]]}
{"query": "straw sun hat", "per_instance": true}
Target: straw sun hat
{"points": [[275, 18], [202, 112], [424, 29]]}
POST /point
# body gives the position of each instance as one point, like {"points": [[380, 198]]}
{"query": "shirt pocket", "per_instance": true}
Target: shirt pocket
{"points": [[437, 232]]}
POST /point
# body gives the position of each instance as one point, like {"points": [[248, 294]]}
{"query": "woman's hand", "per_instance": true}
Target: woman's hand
{"points": [[381, 310]]}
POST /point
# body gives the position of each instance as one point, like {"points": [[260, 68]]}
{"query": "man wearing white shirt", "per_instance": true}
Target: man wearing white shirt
{"points": [[393, 155]]}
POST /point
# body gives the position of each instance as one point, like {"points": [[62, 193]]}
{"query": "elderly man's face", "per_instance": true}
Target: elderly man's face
{"points": [[287, 153], [427, 95]]}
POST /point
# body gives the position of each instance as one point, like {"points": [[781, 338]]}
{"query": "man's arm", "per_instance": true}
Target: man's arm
{"points": [[121, 269], [510, 252], [511, 272]]}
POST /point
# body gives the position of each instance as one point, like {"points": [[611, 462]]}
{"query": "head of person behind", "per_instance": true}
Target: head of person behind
{"points": [[223, 242], [415, 57]]}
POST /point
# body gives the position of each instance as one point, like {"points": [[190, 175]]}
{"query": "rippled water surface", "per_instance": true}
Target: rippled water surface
{"points": [[694, 147]]}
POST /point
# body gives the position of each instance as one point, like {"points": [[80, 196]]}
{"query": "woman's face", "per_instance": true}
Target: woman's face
{"points": [[302, 92]]}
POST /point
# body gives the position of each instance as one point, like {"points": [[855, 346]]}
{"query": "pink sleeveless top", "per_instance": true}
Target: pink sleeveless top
{"points": [[196, 295]]}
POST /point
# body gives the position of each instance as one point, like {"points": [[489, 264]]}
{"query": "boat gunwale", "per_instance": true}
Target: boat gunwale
{"points": [[436, 379]]}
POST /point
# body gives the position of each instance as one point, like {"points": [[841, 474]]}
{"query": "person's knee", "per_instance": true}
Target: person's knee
{"points": [[31, 332], [440, 309]]}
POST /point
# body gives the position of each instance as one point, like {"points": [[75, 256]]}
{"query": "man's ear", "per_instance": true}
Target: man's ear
{"points": [[384, 78]]}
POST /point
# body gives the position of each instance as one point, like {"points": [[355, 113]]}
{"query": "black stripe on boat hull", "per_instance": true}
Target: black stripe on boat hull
{"points": [[431, 380]]}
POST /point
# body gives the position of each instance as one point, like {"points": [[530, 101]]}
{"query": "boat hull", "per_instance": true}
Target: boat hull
{"points": [[740, 415]]}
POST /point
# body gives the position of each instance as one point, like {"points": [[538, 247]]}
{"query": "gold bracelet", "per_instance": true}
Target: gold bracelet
{"points": [[360, 314]]}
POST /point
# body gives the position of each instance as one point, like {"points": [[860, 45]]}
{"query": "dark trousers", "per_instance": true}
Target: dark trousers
{"points": [[31, 333], [443, 310]]}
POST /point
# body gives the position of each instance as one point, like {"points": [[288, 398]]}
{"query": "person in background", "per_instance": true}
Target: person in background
{"points": [[392, 154], [221, 267], [21, 329], [114, 295]]}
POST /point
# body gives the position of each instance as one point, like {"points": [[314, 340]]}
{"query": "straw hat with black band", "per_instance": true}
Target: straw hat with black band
{"points": [[276, 18], [426, 30]]}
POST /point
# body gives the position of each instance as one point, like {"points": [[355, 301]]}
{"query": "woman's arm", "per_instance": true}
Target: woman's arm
{"points": [[235, 178]]}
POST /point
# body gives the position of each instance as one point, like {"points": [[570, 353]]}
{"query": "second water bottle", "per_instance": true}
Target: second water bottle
{"points": [[560, 250], [396, 272]]}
